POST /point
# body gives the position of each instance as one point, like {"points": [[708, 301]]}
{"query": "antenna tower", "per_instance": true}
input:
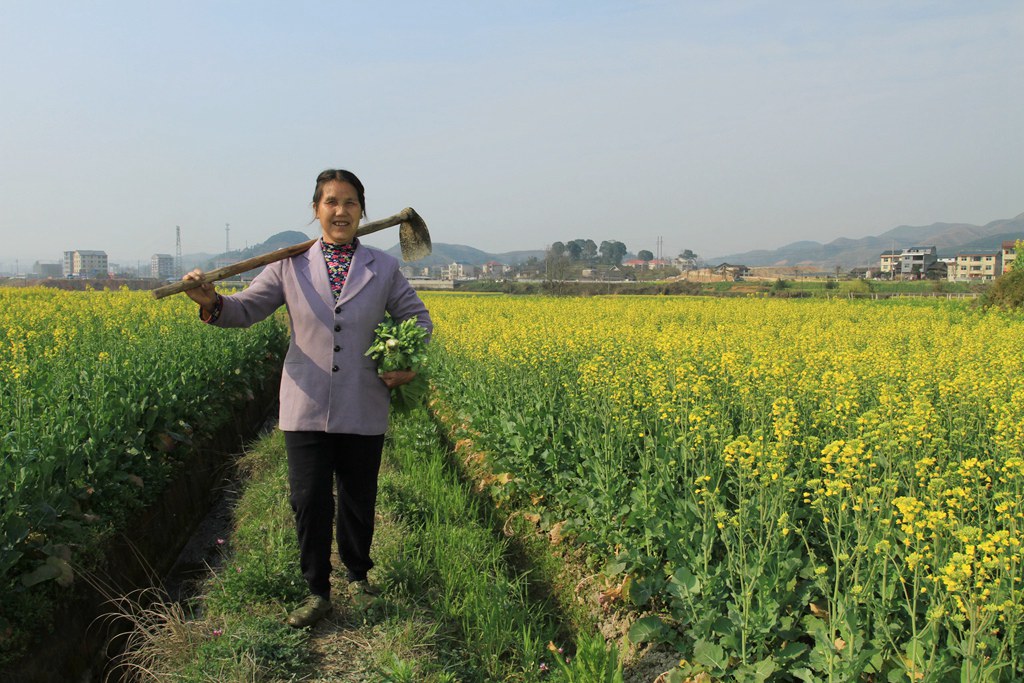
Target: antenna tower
{"points": [[227, 237], [177, 252]]}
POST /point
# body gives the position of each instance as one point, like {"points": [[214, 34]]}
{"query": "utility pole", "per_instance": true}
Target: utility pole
{"points": [[177, 252]]}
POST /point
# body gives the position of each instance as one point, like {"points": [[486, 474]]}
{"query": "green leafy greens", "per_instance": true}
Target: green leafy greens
{"points": [[402, 346]]}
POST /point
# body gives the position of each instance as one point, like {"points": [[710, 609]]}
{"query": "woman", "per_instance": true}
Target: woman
{"points": [[334, 406]]}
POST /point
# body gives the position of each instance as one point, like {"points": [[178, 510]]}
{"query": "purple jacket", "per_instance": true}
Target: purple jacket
{"points": [[328, 385]]}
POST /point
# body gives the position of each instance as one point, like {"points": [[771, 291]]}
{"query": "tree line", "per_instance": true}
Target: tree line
{"points": [[610, 252]]}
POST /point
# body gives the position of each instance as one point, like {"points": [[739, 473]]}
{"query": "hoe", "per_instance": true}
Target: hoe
{"points": [[412, 235]]}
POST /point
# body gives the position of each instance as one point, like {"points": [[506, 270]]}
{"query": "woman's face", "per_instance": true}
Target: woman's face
{"points": [[339, 212]]}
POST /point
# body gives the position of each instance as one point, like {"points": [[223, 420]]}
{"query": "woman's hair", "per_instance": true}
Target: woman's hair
{"points": [[342, 176]]}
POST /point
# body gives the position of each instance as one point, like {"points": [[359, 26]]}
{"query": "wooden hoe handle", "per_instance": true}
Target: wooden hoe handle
{"points": [[402, 217]]}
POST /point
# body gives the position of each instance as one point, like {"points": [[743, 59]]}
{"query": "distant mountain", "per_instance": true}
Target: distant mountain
{"points": [[447, 254], [441, 254], [949, 239]]}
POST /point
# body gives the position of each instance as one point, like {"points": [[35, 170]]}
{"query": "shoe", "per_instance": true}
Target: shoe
{"points": [[363, 593], [313, 609]]}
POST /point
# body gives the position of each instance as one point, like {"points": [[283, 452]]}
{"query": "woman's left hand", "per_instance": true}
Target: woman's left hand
{"points": [[397, 378]]}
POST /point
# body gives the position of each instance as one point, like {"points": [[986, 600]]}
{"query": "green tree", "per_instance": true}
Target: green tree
{"points": [[645, 255], [688, 258], [612, 252], [557, 267]]}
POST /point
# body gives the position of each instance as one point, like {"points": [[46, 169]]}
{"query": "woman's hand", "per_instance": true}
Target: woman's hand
{"points": [[205, 294], [397, 378]]}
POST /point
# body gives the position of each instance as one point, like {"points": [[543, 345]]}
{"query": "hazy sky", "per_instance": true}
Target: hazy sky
{"points": [[719, 126]]}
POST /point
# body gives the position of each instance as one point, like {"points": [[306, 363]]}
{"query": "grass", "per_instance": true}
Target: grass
{"points": [[458, 601]]}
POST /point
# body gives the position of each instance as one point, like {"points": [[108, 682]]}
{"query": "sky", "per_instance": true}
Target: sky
{"points": [[718, 127]]}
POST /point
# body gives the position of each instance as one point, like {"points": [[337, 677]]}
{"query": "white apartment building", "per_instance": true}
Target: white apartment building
{"points": [[85, 263], [161, 267], [459, 271]]}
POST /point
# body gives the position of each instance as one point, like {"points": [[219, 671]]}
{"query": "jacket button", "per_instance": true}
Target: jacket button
{"points": [[337, 328], [334, 369], [337, 348], [338, 309]]}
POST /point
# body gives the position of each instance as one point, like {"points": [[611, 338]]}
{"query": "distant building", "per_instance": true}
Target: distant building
{"points": [[732, 271], [950, 265], [724, 272], [47, 269], [979, 267], [85, 263], [647, 265], [890, 261], [909, 263], [459, 271], [939, 270], [915, 261], [420, 272], [161, 266], [1009, 254], [493, 268]]}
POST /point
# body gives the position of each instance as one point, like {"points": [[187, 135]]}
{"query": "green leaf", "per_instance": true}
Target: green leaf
{"points": [[15, 530], [44, 572], [805, 675], [8, 558], [710, 655], [793, 650], [684, 584], [723, 626], [615, 567], [647, 630], [763, 669], [677, 676], [638, 592], [55, 568]]}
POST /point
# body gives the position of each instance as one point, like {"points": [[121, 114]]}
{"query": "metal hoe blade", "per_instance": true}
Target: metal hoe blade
{"points": [[414, 237]]}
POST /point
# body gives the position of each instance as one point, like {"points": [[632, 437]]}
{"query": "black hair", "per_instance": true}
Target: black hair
{"points": [[341, 176]]}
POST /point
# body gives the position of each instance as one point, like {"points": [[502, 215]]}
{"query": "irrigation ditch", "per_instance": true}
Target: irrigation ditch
{"points": [[147, 553]]}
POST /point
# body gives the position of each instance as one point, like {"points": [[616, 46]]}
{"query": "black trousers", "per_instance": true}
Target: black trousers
{"points": [[317, 461]]}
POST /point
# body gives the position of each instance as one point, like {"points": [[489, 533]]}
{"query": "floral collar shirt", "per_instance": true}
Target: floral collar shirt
{"points": [[339, 259]]}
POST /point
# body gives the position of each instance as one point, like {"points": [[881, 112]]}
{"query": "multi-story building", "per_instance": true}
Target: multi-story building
{"points": [[1009, 254], [161, 266], [915, 261], [459, 271], [978, 267], [912, 262], [85, 263], [890, 261], [47, 270], [494, 268]]}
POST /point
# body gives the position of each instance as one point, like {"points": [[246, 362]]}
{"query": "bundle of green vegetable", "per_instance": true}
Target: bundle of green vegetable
{"points": [[402, 346]]}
